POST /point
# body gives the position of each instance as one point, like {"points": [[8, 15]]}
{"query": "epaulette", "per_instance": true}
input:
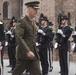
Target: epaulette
{"points": [[53, 32], [50, 28]]}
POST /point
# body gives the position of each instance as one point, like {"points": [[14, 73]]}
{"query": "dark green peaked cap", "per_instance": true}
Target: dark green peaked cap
{"points": [[34, 4]]}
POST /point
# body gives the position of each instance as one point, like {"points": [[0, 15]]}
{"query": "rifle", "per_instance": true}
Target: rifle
{"points": [[59, 18], [41, 15], [69, 23]]}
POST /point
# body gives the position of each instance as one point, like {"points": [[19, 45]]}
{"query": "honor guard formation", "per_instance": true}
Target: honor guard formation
{"points": [[31, 44]]}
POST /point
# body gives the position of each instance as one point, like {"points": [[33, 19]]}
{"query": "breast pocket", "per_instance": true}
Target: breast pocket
{"points": [[29, 30]]}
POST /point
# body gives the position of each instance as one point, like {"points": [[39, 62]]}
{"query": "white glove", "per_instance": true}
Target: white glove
{"points": [[12, 36], [74, 32], [9, 32], [6, 43], [41, 31], [1, 47], [37, 44], [60, 31], [73, 46], [0, 43], [56, 45]]}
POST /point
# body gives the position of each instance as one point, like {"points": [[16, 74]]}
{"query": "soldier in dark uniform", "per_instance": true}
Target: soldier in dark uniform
{"points": [[27, 55], [8, 40], [7, 43], [50, 49], [44, 38], [2, 34], [2, 38], [63, 35], [13, 45]]}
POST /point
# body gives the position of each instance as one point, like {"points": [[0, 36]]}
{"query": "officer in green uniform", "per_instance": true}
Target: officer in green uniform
{"points": [[27, 55]]}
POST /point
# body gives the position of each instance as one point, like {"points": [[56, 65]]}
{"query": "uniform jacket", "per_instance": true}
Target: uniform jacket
{"points": [[2, 34], [11, 37], [13, 40], [25, 38], [63, 41], [45, 40]]}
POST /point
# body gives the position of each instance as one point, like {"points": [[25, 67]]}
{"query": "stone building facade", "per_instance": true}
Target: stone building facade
{"points": [[8, 9], [50, 8]]}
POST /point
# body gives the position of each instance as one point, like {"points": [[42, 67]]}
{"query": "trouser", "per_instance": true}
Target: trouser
{"points": [[32, 65], [2, 61], [50, 57], [74, 60], [63, 59], [44, 60], [13, 58], [9, 54]]}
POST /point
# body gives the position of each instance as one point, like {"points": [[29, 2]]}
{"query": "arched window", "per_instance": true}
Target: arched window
{"points": [[6, 10]]}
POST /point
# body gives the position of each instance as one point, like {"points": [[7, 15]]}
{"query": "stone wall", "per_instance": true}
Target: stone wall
{"points": [[50, 8]]}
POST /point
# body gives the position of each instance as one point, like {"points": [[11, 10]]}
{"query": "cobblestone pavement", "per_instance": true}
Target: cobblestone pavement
{"points": [[54, 72]]}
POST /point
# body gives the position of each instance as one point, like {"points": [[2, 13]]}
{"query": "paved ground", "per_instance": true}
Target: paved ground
{"points": [[54, 72]]}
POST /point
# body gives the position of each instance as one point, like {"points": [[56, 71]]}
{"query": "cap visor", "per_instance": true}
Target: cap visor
{"points": [[36, 7]]}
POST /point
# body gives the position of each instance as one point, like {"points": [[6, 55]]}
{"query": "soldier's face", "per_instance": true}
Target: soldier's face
{"points": [[63, 21], [43, 22], [32, 12], [14, 24]]}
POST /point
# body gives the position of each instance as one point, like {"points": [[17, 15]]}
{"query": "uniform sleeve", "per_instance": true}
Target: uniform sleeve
{"points": [[49, 35], [67, 34], [20, 28]]}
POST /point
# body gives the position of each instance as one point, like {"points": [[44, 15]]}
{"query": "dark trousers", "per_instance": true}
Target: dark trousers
{"points": [[50, 57], [9, 54], [44, 60], [63, 59], [13, 58], [2, 61]]}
